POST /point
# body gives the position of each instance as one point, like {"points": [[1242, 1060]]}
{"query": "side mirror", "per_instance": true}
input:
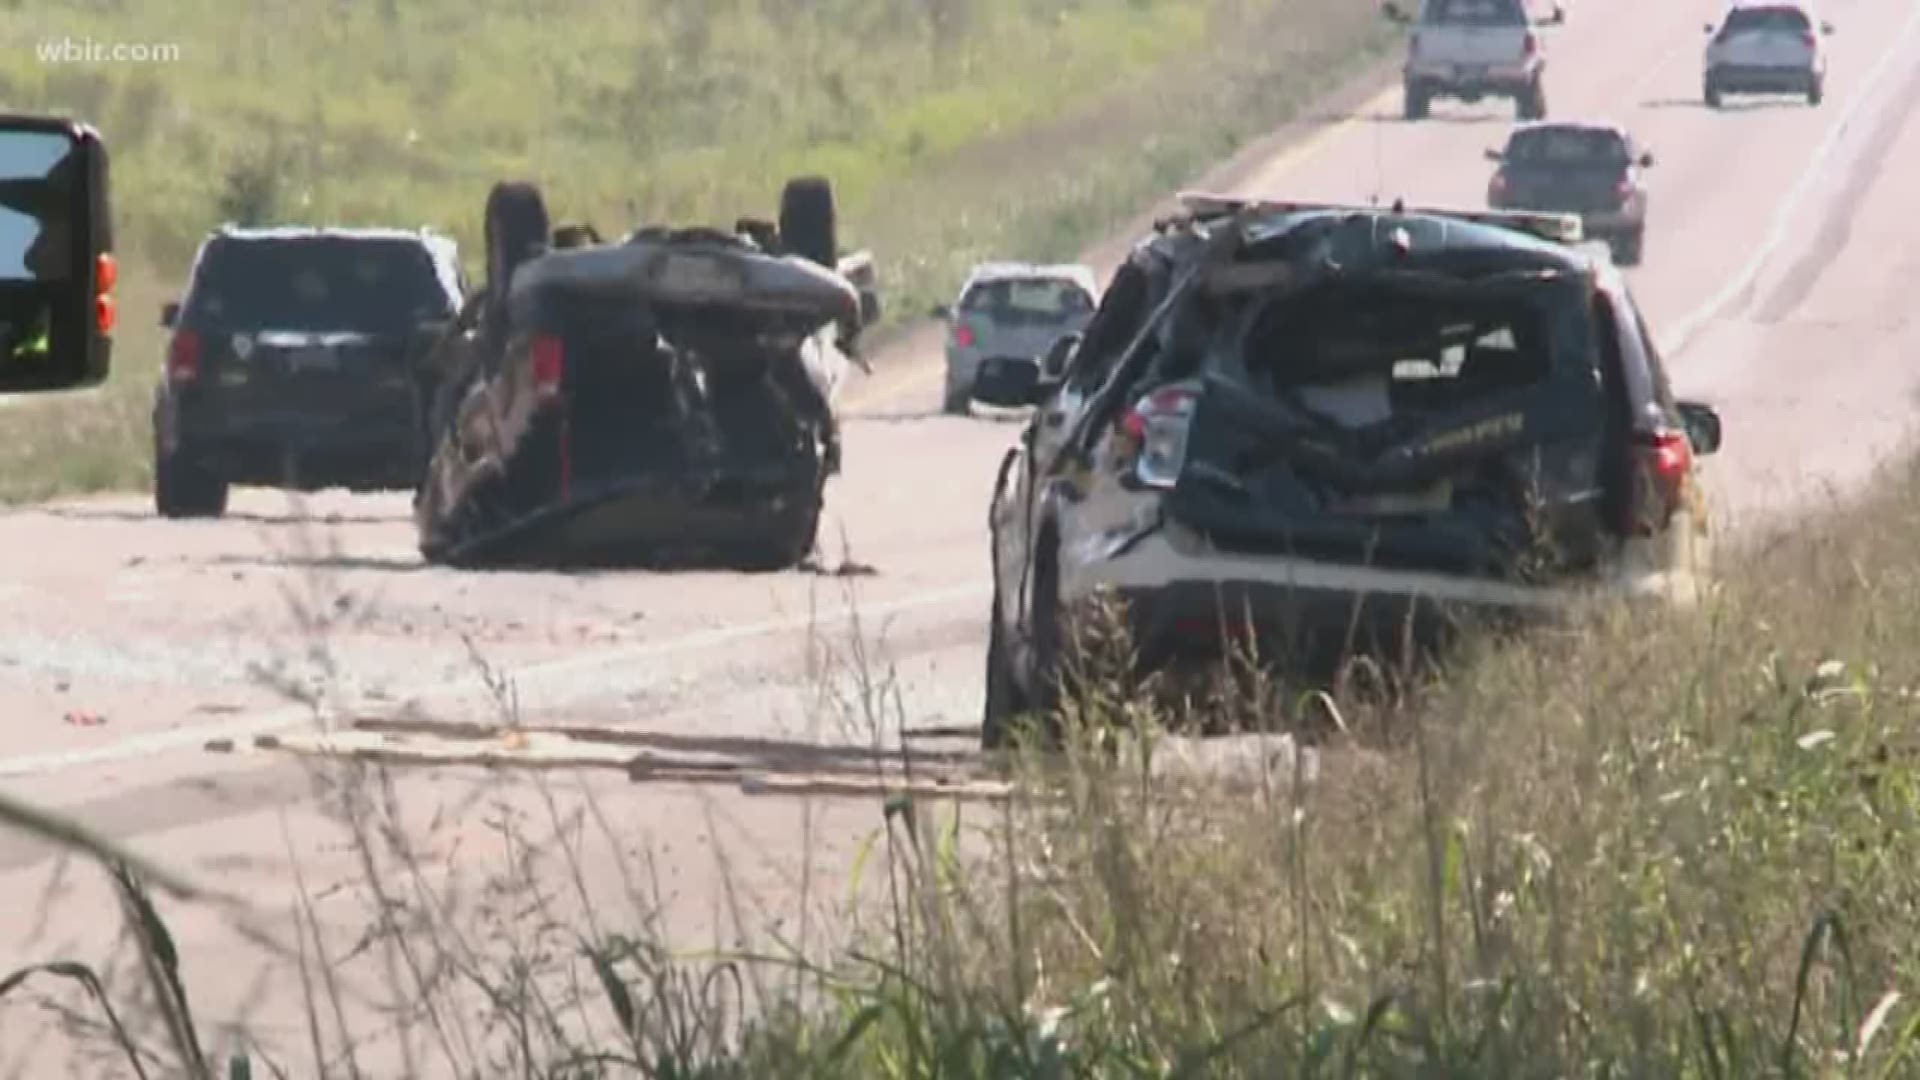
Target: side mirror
{"points": [[1703, 426], [1495, 156], [943, 312], [57, 268], [1646, 160], [1393, 12], [1709, 28], [1053, 367], [170, 314], [1826, 28], [1558, 18]]}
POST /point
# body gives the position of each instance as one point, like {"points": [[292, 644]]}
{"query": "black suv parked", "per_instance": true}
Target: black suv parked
{"points": [[293, 363]]}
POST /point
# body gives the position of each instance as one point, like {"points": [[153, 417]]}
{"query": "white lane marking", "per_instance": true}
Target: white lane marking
{"points": [[1785, 215], [552, 671]]}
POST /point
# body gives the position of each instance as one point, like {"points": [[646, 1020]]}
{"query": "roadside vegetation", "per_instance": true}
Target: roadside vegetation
{"points": [[953, 130], [1678, 845]]}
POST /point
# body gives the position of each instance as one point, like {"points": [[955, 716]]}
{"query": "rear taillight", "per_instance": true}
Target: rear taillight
{"points": [[1532, 46], [106, 313], [549, 365], [1623, 190], [1807, 39], [1661, 463], [1155, 434], [963, 336], [183, 356], [1496, 188]]}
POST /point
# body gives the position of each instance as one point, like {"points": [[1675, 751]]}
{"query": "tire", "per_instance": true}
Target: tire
{"points": [[183, 489], [1048, 682], [955, 403], [1416, 103], [1004, 701], [1817, 92], [1713, 94], [1532, 103], [517, 230], [809, 225]]}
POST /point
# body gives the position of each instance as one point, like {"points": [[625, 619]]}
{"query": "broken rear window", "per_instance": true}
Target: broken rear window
{"points": [[1362, 356], [1016, 301]]}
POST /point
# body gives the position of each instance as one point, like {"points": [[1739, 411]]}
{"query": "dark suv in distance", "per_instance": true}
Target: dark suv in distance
{"points": [[293, 363], [1595, 170]]}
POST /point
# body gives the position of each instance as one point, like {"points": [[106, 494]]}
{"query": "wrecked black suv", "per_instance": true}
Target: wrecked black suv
{"points": [[1320, 427], [293, 363], [666, 398]]}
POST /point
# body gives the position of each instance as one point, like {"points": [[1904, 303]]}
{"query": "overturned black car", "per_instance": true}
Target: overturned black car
{"points": [[665, 399]]}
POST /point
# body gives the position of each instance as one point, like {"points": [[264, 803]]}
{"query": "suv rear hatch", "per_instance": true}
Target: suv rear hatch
{"points": [[321, 328], [1404, 421]]}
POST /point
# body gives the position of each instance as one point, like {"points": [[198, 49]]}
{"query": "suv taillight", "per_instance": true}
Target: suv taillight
{"points": [[963, 336], [1155, 430], [1623, 190], [1807, 39], [549, 366], [183, 356], [1659, 466], [1532, 46]]}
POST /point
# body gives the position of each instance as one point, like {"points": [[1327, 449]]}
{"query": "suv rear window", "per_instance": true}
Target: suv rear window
{"points": [[1399, 351], [324, 283], [1017, 301], [1567, 146], [1787, 19], [1476, 12]]}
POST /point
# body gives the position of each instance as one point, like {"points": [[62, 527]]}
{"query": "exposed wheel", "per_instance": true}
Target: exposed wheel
{"points": [[1532, 104], [1004, 701], [1049, 682], [808, 223], [517, 228], [183, 488], [1416, 103]]}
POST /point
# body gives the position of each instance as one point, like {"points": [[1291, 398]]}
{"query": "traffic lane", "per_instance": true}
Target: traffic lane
{"points": [[180, 637], [1815, 377], [1719, 177]]}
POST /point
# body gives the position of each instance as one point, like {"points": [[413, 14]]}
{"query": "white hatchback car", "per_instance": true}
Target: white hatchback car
{"points": [[1768, 47]]}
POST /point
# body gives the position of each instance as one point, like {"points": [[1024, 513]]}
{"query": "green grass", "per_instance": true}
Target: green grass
{"points": [[954, 130]]}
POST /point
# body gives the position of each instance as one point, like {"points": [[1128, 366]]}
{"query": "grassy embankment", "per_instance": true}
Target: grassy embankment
{"points": [[1676, 845], [955, 130]]}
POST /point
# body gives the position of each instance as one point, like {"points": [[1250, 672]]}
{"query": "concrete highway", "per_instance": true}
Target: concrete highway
{"points": [[1781, 260]]}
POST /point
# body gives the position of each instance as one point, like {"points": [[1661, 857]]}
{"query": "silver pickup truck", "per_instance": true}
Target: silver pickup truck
{"points": [[1471, 49]]}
